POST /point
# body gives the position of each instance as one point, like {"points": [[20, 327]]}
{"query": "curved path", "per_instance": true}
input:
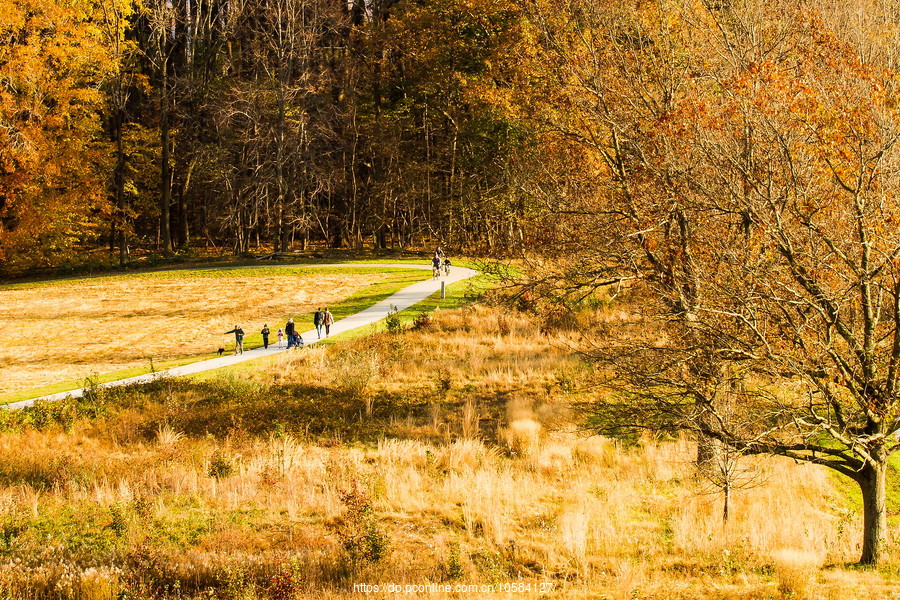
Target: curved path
{"points": [[403, 299]]}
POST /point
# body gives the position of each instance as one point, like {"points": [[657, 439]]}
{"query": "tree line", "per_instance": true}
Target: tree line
{"points": [[247, 125]]}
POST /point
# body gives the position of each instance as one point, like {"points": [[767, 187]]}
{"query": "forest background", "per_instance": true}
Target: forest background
{"points": [[154, 126]]}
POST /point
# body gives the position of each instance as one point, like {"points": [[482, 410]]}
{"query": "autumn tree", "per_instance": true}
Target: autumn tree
{"points": [[119, 86], [440, 131], [52, 59], [257, 124], [744, 181]]}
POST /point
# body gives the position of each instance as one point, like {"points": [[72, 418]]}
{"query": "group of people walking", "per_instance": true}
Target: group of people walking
{"points": [[322, 319], [440, 263]]}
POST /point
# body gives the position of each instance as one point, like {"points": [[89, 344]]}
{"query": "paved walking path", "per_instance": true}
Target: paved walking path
{"points": [[403, 299]]}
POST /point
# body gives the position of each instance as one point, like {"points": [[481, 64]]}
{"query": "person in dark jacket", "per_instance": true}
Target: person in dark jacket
{"points": [[265, 334], [318, 321], [289, 331], [436, 266], [238, 339]]}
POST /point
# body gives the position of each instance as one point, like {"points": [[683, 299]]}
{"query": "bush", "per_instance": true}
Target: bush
{"points": [[360, 535], [220, 466], [422, 322], [393, 322]]}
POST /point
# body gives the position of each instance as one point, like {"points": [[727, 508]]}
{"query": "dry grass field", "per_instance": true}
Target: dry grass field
{"points": [[447, 455], [72, 329]]}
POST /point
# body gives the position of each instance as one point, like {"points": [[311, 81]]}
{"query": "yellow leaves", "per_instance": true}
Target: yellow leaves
{"points": [[54, 56]]}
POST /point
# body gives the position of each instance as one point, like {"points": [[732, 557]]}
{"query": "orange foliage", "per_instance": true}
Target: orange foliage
{"points": [[53, 60]]}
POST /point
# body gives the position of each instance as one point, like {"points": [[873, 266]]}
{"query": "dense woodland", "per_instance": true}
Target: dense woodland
{"points": [[130, 127], [240, 125]]}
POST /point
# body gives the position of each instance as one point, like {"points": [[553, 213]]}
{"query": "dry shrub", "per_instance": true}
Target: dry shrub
{"points": [[307, 367], [486, 512], [470, 420], [574, 533], [354, 371], [359, 531], [403, 452], [167, 436], [99, 584], [796, 570], [55, 580], [664, 462], [553, 459], [597, 450], [629, 579], [523, 436], [464, 455]]}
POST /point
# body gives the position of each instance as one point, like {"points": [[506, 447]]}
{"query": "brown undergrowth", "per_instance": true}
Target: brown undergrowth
{"points": [[447, 455]]}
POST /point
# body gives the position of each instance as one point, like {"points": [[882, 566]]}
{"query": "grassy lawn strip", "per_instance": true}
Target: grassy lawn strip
{"points": [[253, 268], [74, 384], [286, 270]]}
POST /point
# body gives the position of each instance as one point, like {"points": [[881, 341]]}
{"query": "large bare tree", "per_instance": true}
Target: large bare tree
{"points": [[744, 178]]}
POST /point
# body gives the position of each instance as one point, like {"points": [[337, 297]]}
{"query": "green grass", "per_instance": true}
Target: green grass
{"points": [[852, 494], [73, 384], [225, 271]]}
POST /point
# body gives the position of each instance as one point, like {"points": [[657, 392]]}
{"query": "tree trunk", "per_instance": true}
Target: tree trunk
{"points": [[119, 191], [871, 482], [727, 502], [165, 177], [184, 229], [709, 449]]}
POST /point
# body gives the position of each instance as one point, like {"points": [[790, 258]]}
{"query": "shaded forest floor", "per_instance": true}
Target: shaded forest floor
{"points": [[449, 453]]}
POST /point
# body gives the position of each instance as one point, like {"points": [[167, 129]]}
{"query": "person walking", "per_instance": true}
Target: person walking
{"points": [[280, 337], [318, 321], [328, 321], [238, 339], [289, 331], [265, 334]]}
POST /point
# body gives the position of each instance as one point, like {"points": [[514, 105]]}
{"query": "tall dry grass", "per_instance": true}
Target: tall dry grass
{"points": [[482, 481], [578, 511]]}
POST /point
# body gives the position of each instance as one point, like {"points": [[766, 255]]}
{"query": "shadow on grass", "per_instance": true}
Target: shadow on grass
{"points": [[239, 408]]}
